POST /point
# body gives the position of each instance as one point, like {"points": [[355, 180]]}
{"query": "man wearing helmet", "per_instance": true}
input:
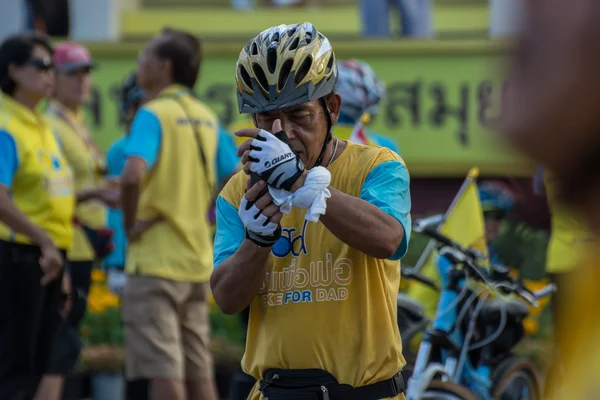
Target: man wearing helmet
{"points": [[301, 279], [361, 91]]}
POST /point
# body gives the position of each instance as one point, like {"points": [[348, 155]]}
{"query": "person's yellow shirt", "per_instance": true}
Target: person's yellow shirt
{"points": [[569, 238], [324, 304], [578, 375], [178, 186], [39, 179], [88, 165]]}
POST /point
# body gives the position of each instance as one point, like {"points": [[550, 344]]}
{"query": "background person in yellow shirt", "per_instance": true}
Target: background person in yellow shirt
{"points": [[322, 295], [554, 118], [73, 64], [36, 208], [167, 188]]}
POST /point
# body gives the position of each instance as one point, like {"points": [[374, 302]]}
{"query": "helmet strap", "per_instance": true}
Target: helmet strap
{"points": [[329, 134]]}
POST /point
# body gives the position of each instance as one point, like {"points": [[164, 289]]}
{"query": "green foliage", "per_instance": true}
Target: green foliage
{"points": [[522, 247], [417, 244], [102, 328], [226, 327]]}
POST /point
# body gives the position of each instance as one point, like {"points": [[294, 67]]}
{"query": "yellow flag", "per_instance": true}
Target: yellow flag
{"points": [[464, 224]]}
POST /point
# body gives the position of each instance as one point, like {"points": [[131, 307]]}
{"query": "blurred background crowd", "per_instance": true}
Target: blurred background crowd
{"points": [[434, 98]]}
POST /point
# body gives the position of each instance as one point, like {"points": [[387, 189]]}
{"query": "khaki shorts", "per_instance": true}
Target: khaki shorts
{"points": [[167, 331]]}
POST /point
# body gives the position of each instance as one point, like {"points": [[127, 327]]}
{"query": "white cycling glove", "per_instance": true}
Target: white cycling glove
{"points": [[274, 160], [259, 229]]}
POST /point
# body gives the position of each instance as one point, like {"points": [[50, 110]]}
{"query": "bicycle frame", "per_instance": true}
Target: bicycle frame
{"points": [[455, 367]]}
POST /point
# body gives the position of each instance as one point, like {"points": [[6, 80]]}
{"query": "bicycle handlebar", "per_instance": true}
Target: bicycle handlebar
{"points": [[409, 274], [467, 257], [546, 291], [429, 227]]}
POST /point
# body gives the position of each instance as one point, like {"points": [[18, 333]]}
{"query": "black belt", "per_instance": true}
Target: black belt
{"points": [[316, 384]]}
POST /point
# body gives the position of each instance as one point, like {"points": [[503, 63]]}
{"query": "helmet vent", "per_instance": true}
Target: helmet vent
{"points": [[308, 37], [254, 51], [260, 76], [295, 44], [245, 76], [284, 74], [272, 59], [304, 69], [330, 64]]}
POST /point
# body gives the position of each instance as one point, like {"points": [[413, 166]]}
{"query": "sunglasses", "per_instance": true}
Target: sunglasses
{"points": [[40, 64]]}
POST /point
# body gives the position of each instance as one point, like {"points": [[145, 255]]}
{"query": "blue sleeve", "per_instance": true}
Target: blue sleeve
{"points": [[230, 231], [227, 159], [387, 188], [9, 159], [145, 137], [115, 158]]}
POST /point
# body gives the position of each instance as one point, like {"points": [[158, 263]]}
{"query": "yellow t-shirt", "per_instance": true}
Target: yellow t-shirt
{"points": [[569, 237], [42, 181], [177, 188], [88, 165], [579, 375], [323, 303]]}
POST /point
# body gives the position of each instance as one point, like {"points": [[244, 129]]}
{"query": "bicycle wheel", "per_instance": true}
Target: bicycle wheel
{"points": [[438, 390], [516, 379]]}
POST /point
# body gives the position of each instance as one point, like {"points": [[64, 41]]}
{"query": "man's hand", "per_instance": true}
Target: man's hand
{"points": [[271, 157], [51, 262], [67, 290], [260, 216], [109, 196]]}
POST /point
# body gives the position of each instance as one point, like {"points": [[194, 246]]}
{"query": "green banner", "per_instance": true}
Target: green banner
{"points": [[439, 107]]}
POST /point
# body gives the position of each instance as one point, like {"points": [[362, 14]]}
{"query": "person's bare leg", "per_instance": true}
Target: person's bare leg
{"points": [[202, 389], [171, 389], [50, 388]]}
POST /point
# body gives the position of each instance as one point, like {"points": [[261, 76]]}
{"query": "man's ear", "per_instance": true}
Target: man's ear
{"points": [[12, 71], [334, 104], [254, 120]]}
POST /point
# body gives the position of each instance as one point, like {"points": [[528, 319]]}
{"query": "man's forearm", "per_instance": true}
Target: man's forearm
{"points": [[130, 194], [238, 279], [362, 225]]}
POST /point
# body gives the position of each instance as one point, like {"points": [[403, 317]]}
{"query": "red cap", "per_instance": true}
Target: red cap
{"points": [[69, 57]]}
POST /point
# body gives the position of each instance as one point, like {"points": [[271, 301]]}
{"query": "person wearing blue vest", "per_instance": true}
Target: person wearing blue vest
{"points": [[131, 98]]}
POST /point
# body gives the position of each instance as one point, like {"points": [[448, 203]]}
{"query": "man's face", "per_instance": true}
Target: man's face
{"points": [[150, 68], [74, 87], [554, 88], [305, 126]]}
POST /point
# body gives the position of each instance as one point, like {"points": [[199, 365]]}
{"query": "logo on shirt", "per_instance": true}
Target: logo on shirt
{"points": [[49, 160], [57, 179], [289, 243], [314, 281]]}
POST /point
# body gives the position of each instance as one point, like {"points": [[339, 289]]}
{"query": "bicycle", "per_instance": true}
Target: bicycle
{"points": [[412, 319], [468, 351]]}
